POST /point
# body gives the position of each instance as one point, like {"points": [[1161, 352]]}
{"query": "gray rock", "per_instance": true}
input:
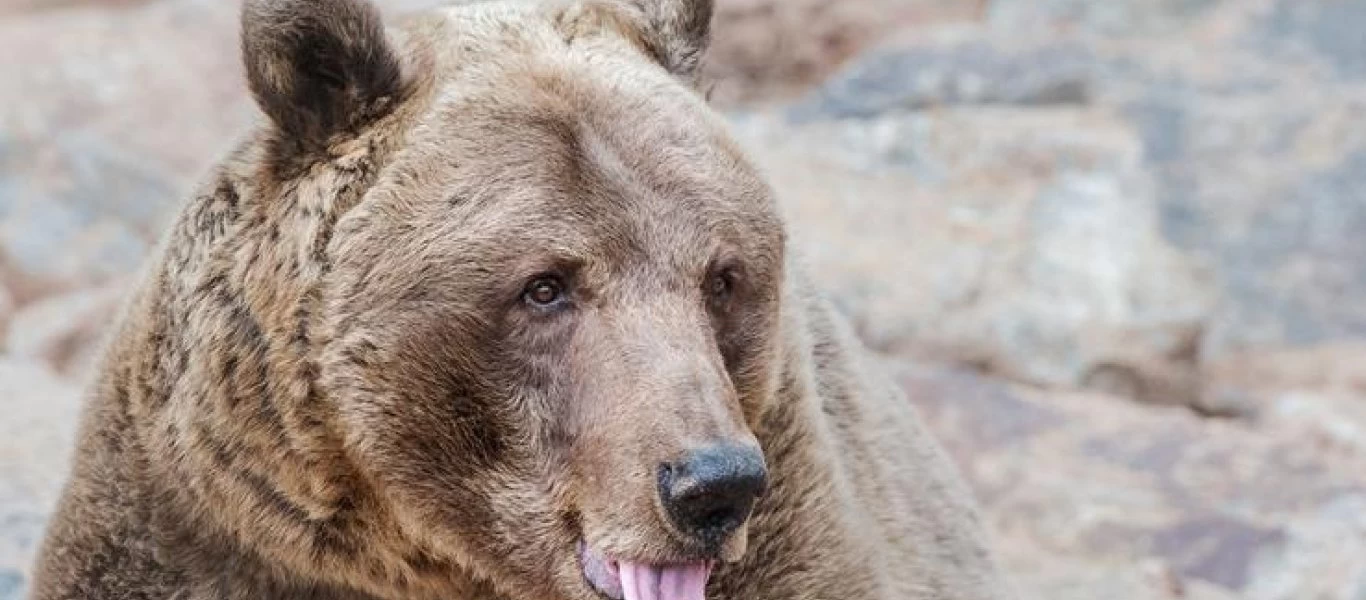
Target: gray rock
{"points": [[1217, 548], [64, 330], [1331, 29], [92, 160], [899, 78], [1025, 241], [1112, 17], [767, 49], [1105, 499], [1251, 151], [1252, 176], [1298, 270], [1265, 184], [6, 309], [35, 442], [11, 584]]}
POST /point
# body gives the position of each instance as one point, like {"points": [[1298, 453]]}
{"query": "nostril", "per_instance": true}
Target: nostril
{"points": [[710, 493]]}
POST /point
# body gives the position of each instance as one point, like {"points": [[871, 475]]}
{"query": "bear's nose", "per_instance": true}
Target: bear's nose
{"points": [[709, 494]]}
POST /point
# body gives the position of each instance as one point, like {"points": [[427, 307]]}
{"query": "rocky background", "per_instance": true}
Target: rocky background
{"points": [[1114, 249]]}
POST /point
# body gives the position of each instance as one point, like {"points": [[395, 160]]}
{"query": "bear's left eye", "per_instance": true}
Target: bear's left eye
{"points": [[546, 291]]}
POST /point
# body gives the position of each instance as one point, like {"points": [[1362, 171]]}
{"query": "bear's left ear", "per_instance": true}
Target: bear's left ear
{"points": [[319, 67], [678, 33]]}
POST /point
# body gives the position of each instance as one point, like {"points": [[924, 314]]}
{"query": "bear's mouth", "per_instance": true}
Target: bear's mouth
{"points": [[629, 580]]}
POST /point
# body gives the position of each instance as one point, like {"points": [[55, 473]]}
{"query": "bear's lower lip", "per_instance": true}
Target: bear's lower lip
{"points": [[629, 580], [601, 572]]}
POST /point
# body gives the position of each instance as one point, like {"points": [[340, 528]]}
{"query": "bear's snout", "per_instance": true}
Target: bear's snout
{"points": [[709, 493]]}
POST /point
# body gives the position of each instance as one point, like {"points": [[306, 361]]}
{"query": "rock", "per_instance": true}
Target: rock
{"points": [[35, 440], [901, 77], [1339, 367], [1318, 390], [1024, 241], [1256, 183], [11, 584], [1295, 277], [1113, 17], [22, 6], [65, 331], [1092, 497], [1265, 186], [1254, 134], [6, 309], [1331, 30], [770, 49], [93, 155]]}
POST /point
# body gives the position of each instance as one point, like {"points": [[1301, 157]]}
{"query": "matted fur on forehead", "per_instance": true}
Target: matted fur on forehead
{"points": [[537, 179]]}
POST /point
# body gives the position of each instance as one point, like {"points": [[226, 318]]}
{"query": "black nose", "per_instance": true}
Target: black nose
{"points": [[710, 493]]}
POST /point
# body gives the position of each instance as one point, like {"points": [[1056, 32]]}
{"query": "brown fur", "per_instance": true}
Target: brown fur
{"points": [[330, 385]]}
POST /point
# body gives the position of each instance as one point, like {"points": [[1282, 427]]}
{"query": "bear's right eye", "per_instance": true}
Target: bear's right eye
{"points": [[545, 292]]}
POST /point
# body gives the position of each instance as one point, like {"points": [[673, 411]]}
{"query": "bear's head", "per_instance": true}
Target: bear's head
{"points": [[549, 325]]}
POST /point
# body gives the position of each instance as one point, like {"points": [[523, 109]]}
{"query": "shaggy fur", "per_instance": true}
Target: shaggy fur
{"points": [[331, 384]]}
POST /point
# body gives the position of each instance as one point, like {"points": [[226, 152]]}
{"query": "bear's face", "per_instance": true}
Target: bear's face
{"points": [[551, 324]]}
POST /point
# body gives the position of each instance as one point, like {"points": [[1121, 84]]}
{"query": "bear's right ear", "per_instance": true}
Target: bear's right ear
{"points": [[319, 67], [678, 32]]}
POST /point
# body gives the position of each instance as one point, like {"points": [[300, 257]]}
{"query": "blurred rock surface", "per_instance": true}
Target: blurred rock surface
{"points": [[1025, 241], [1093, 497], [35, 437], [1158, 200], [64, 330]]}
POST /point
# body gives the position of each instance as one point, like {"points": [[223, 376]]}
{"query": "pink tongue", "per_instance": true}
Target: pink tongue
{"points": [[670, 582]]}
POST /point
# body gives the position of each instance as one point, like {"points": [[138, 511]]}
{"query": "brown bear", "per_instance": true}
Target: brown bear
{"points": [[491, 307]]}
